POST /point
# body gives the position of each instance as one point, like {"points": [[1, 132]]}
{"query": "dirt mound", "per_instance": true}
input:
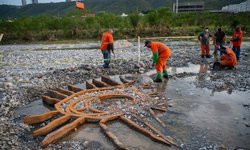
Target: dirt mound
{"points": [[122, 44]]}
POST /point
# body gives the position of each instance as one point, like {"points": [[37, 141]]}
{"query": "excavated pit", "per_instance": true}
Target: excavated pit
{"points": [[186, 120], [104, 100]]}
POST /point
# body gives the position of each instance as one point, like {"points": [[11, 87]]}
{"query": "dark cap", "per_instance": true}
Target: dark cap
{"points": [[147, 42], [223, 47]]}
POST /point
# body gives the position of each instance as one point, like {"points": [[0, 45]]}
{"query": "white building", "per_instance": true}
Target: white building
{"points": [[188, 6], [242, 7], [34, 1], [124, 15]]}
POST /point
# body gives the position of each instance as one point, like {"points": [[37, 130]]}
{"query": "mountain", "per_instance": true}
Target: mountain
{"points": [[115, 6], [53, 9]]}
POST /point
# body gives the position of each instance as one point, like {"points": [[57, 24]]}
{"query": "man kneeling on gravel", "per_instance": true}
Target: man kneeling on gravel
{"points": [[228, 58], [161, 53]]}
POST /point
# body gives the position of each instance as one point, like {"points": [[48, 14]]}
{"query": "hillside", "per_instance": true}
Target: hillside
{"points": [[54, 9], [115, 6]]}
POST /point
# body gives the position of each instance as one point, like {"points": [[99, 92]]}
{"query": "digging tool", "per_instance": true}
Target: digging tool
{"points": [[111, 47], [113, 53], [216, 65], [1, 36]]}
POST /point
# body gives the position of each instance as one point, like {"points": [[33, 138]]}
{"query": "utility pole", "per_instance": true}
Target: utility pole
{"points": [[177, 5], [24, 2], [34, 1]]}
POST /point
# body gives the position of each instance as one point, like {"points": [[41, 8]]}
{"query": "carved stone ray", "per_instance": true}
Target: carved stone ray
{"points": [[99, 83], [109, 81]]}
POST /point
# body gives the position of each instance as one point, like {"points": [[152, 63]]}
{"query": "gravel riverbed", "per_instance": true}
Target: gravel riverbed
{"points": [[28, 71]]}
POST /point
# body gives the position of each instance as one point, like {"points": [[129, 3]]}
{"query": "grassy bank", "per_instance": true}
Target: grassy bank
{"points": [[158, 22]]}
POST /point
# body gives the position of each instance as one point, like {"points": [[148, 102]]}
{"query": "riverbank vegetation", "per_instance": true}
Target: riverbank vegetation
{"points": [[157, 22]]}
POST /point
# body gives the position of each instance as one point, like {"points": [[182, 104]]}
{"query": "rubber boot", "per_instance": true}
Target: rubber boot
{"points": [[158, 78], [165, 74]]}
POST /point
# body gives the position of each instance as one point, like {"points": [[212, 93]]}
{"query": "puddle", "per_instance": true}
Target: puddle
{"points": [[81, 85], [190, 68], [217, 117], [134, 139], [131, 138], [90, 132], [33, 108]]}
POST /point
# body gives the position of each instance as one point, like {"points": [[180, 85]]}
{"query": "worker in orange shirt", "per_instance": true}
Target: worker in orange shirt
{"points": [[237, 40], [228, 59], [107, 47], [161, 53]]}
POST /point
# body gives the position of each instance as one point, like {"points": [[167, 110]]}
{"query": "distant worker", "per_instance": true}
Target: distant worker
{"points": [[237, 40], [219, 38], [228, 59], [204, 40], [107, 47], [161, 53]]}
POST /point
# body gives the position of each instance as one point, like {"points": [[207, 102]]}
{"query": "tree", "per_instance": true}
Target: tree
{"points": [[134, 19]]}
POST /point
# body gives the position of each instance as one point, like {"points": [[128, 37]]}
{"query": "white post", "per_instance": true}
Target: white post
{"points": [[173, 7], [177, 5], [1, 36], [139, 49]]}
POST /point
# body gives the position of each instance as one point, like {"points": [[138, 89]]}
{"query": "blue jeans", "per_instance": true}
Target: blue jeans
{"points": [[236, 50], [106, 57]]}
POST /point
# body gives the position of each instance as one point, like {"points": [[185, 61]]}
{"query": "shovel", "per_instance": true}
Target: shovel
{"points": [[113, 53], [216, 65]]}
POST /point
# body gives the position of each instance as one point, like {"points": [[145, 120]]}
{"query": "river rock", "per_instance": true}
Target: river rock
{"points": [[119, 44], [141, 70], [144, 79], [9, 85]]}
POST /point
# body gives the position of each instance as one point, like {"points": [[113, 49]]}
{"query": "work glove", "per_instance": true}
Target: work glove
{"points": [[155, 57], [111, 47]]}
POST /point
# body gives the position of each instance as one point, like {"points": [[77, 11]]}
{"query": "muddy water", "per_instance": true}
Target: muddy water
{"points": [[35, 107], [204, 118], [90, 132], [128, 136], [197, 117], [190, 68]]}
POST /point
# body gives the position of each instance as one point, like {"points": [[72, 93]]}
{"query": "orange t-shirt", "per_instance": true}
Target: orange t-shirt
{"points": [[237, 34], [161, 48], [107, 38], [229, 58]]}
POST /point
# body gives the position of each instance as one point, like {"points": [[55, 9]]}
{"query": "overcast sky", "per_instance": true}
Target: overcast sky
{"points": [[19, 2]]}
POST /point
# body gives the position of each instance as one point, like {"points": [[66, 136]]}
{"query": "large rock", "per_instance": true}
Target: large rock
{"points": [[122, 44], [144, 79], [248, 81]]}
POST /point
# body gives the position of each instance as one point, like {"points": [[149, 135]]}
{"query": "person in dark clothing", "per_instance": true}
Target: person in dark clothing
{"points": [[220, 37]]}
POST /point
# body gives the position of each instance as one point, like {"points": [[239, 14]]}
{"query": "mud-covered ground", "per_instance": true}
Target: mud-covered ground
{"points": [[208, 110]]}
